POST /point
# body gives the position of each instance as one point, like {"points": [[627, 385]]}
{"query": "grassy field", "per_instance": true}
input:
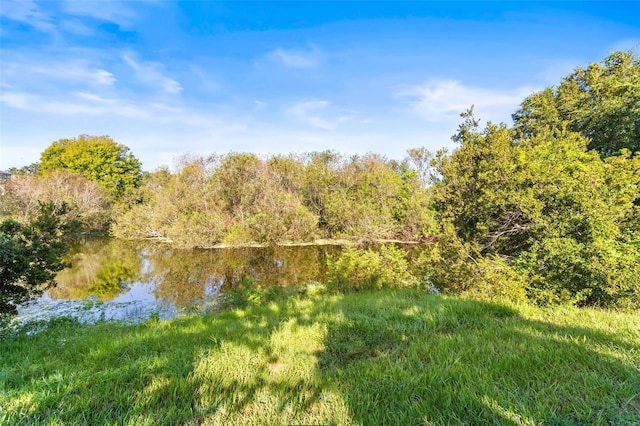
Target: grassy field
{"points": [[379, 358]]}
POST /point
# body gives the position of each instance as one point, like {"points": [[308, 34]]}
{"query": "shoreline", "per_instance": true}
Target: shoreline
{"points": [[318, 242]]}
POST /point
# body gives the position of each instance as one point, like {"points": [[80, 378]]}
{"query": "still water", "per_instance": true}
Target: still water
{"points": [[115, 279]]}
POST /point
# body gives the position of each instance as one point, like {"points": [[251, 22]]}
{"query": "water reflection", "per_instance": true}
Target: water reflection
{"points": [[121, 271], [101, 267]]}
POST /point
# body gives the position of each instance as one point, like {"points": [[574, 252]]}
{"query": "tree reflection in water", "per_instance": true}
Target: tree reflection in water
{"points": [[100, 266], [187, 278]]}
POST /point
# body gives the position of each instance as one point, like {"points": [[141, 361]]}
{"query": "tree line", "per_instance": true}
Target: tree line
{"points": [[545, 210], [238, 198]]}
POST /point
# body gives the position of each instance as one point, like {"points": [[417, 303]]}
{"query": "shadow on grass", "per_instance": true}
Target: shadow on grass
{"points": [[110, 373], [402, 357], [451, 361]]}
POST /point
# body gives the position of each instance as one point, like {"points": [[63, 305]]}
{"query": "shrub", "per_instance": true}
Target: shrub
{"points": [[30, 257], [87, 203], [455, 267], [361, 269]]}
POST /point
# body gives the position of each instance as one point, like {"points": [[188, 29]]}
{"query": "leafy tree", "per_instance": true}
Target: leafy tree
{"points": [[30, 257], [320, 179], [182, 207], [99, 158], [544, 211], [365, 197], [262, 198], [601, 102], [235, 199], [414, 212]]}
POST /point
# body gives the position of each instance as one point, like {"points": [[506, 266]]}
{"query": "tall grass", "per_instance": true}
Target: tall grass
{"points": [[381, 357]]}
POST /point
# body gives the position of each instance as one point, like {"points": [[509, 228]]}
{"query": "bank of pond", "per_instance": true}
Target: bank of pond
{"points": [[315, 356]]}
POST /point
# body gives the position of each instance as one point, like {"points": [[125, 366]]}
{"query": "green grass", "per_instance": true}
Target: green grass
{"points": [[382, 358]]}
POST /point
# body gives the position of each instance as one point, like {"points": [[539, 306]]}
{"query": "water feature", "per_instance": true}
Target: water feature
{"points": [[115, 279]]}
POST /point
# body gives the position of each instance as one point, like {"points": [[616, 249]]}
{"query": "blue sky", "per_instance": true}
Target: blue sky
{"points": [[169, 78]]}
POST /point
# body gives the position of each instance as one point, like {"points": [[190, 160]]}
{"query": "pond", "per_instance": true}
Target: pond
{"points": [[124, 280]]}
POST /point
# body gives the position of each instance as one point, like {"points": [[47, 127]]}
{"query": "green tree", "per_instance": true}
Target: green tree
{"points": [[601, 102], [99, 158], [544, 211], [182, 207], [263, 200], [240, 198], [366, 201], [30, 257]]}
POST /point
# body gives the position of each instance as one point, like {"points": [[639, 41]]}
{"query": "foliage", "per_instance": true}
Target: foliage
{"points": [[362, 269], [98, 158], [366, 196], [602, 102], [181, 207], [552, 212], [247, 294], [453, 266], [241, 198], [88, 205], [256, 195], [534, 204], [31, 169], [30, 256]]}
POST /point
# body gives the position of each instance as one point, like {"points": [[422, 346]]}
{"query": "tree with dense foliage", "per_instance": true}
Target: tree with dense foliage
{"points": [[601, 102], [542, 211], [30, 257], [548, 209], [98, 158]]}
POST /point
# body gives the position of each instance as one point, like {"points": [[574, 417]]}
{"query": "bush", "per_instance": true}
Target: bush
{"points": [[361, 269], [30, 257], [87, 203], [455, 267]]}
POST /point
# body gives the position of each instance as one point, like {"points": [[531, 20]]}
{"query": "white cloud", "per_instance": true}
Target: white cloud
{"points": [[164, 107], [95, 98], [99, 76], [296, 58], [117, 12], [27, 12], [95, 105], [73, 70], [310, 113], [17, 100], [91, 104], [258, 105], [444, 100], [149, 73]]}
